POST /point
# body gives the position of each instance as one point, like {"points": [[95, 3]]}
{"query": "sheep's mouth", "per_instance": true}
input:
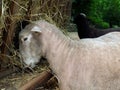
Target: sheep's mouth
{"points": [[28, 69]]}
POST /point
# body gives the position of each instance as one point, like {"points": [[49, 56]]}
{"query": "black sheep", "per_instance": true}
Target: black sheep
{"points": [[85, 31]]}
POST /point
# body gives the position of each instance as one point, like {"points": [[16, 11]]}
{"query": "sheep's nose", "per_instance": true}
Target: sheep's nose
{"points": [[28, 69], [31, 65]]}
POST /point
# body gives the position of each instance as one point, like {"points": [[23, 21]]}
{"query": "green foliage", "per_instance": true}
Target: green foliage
{"points": [[99, 22], [103, 13], [113, 13], [96, 12]]}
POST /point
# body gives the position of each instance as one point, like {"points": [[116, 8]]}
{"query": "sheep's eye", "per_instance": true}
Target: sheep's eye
{"points": [[36, 33]]}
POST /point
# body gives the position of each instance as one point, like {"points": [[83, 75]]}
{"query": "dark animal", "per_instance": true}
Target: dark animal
{"points": [[86, 31], [87, 64]]}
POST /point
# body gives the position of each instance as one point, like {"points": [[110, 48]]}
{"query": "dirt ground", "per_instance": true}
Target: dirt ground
{"points": [[16, 80]]}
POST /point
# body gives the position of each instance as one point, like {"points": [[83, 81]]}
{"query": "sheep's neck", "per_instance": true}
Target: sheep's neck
{"points": [[56, 53]]}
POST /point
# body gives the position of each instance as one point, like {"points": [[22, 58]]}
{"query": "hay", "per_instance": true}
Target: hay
{"points": [[12, 14], [14, 11]]}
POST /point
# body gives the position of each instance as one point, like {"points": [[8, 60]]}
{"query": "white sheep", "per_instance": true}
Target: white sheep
{"points": [[87, 64]]}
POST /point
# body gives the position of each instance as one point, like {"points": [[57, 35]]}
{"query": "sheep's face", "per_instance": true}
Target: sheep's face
{"points": [[28, 46]]}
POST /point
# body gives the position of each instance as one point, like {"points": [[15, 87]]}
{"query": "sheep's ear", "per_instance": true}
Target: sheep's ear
{"points": [[36, 29], [83, 14]]}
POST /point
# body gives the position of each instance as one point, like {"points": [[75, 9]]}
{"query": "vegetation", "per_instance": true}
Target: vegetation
{"points": [[103, 13]]}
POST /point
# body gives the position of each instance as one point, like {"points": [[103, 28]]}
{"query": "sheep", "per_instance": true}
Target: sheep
{"points": [[87, 64], [86, 31]]}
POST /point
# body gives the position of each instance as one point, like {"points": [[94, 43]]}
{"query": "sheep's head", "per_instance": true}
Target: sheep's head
{"points": [[80, 18], [28, 45]]}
